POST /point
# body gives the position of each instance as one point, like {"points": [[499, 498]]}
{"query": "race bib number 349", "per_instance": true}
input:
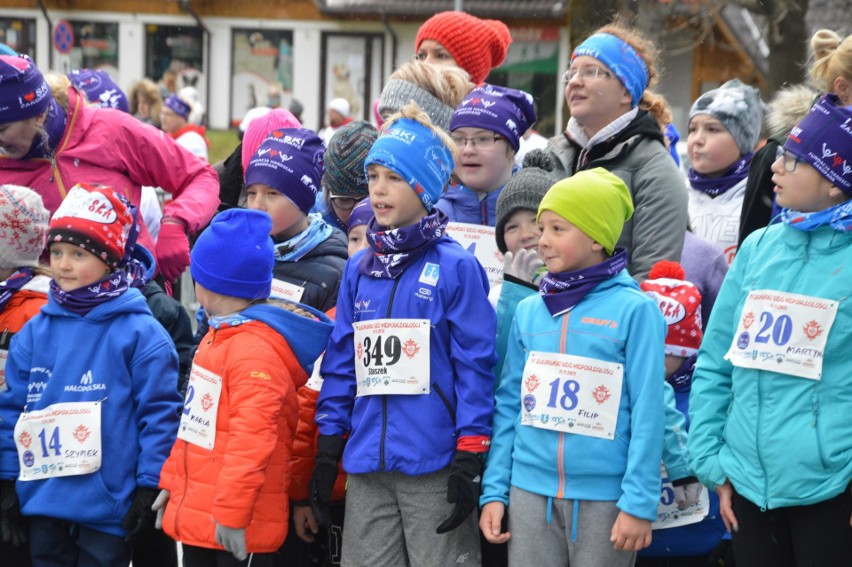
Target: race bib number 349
{"points": [[783, 332], [59, 440], [392, 356], [572, 394]]}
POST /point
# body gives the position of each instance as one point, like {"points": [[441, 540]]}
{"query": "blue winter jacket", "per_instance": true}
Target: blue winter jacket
{"points": [[413, 434], [463, 205], [779, 439], [615, 322], [117, 353]]}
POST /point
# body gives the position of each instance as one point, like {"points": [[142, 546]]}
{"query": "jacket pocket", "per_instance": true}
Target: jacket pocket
{"points": [[446, 401]]}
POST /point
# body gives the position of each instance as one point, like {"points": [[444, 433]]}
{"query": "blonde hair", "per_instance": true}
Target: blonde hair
{"points": [[148, 90], [655, 104], [289, 306], [59, 85], [832, 58], [448, 84], [414, 112]]}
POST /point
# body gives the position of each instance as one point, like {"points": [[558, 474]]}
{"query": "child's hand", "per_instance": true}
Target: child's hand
{"points": [[630, 533], [305, 522], [726, 492], [490, 521]]}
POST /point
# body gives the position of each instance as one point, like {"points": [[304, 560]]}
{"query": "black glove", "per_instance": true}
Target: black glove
{"points": [[329, 451], [11, 525], [462, 488], [139, 520]]}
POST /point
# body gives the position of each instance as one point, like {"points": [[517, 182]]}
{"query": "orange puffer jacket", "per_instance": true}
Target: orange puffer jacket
{"points": [[305, 444], [22, 306], [242, 482]]}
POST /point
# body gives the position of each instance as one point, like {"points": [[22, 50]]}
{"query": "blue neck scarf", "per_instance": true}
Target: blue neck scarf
{"points": [[229, 320], [838, 217], [297, 247], [15, 283], [394, 249], [562, 291], [715, 186], [681, 379], [54, 125]]}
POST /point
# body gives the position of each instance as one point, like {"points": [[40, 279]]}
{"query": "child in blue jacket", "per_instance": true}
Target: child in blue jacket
{"points": [[578, 424], [408, 368], [91, 393], [771, 394]]}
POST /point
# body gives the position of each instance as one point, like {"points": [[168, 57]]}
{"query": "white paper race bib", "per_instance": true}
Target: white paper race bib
{"points": [[479, 240], [783, 332], [392, 356], [4, 356], [60, 440], [198, 420], [668, 516], [572, 394], [286, 290], [315, 381]]}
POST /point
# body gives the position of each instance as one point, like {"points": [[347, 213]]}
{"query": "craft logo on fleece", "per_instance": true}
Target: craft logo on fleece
{"points": [[87, 384]]}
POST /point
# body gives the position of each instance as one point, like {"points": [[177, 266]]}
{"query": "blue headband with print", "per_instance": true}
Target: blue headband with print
{"points": [[624, 61], [416, 154]]}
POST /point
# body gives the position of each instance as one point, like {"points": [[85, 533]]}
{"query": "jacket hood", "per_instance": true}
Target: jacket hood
{"points": [[644, 126], [787, 108], [131, 301], [146, 259], [306, 337]]}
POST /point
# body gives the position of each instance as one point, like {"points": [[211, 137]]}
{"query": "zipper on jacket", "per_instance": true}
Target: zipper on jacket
{"points": [[446, 401], [757, 443], [185, 484], [560, 448], [385, 398], [820, 450]]}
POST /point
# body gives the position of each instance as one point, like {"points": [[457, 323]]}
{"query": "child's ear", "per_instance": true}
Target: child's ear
{"points": [[837, 195], [597, 247]]}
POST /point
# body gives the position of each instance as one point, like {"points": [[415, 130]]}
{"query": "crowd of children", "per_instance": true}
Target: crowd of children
{"points": [[367, 387]]}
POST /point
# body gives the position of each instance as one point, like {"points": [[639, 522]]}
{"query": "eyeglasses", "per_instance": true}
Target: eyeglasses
{"points": [[482, 141], [790, 160], [345, 203], [586, 73]]}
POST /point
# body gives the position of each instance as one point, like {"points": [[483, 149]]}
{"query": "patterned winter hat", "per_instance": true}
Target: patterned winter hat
{"points": [[259, 128], [95, 218], [344, 159], [290, 161], [738, 107], [100, 89], [23, 91], [477, 45], [504, 111], [361, 214], [397, 93], [680, 304], [524, 191], [23, 227]]}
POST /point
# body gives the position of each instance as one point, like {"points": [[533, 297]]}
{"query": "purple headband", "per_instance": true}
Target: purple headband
{"points": [[179, 107], [361, 213], [823, 139]]}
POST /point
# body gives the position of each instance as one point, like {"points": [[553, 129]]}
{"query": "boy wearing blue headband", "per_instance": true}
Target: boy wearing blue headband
{"points": [[617, 123], [408, 371]]}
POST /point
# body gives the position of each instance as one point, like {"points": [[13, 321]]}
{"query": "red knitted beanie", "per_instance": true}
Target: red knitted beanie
{"points": [[680, 303], [478, 46]]}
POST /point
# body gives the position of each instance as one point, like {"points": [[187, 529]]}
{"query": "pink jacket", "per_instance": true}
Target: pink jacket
{"points": [[110, 147]]}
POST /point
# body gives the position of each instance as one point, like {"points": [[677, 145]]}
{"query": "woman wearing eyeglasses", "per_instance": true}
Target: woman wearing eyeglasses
{"points": [[617, 123], [486, 127], [772, 389]]}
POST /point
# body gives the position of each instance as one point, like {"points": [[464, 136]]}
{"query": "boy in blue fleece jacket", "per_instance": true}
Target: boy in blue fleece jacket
{"points": [[579, 420], [408, 368]]}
